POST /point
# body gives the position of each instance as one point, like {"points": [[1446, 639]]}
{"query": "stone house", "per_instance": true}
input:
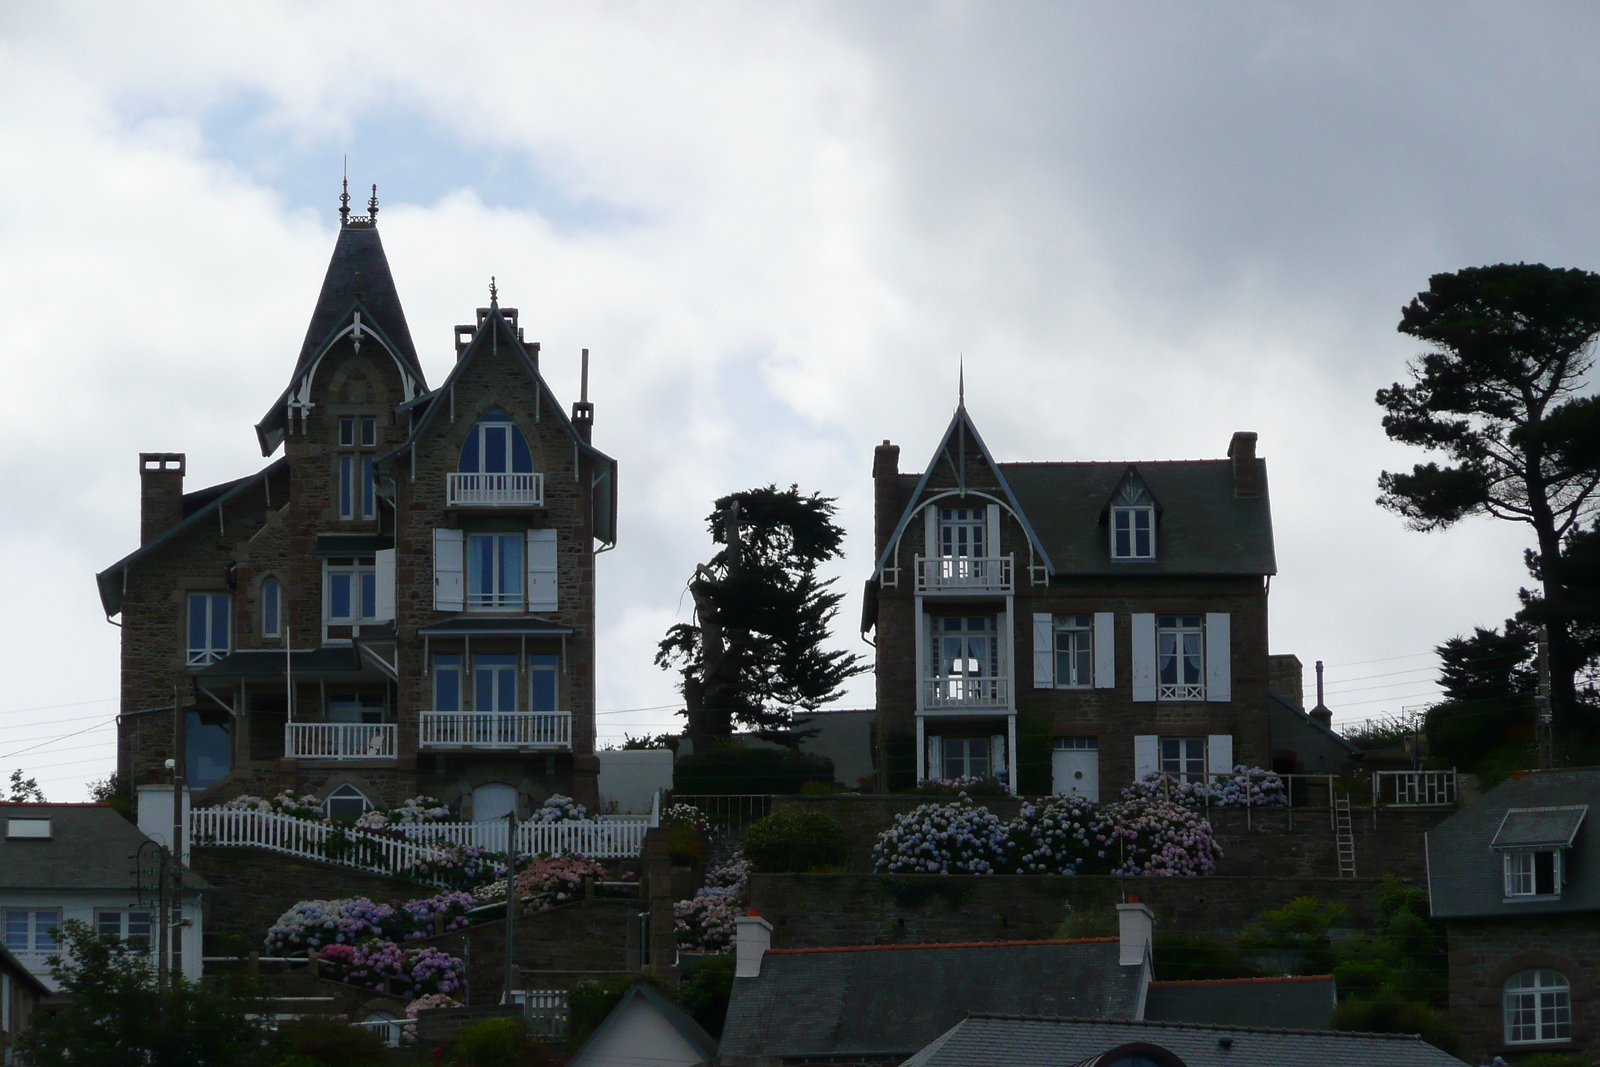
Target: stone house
{"points": [[1069, 627], [1516, 879], [402, 602]]}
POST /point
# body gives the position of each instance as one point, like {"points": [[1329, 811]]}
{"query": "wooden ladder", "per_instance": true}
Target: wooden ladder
{"points": [[1344, 837]]}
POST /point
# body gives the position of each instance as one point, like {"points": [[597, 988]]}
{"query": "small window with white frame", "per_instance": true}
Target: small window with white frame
{"points": [[347, 804], [1538, 1007], [32, 931], [495, 571], [271, 608], [1180, 657], [964, 533], [124, 924], [1531, 873], [1183, 759], [357, 489], [350, 591], [1133, 521], [1074, 651], [209, 628]]}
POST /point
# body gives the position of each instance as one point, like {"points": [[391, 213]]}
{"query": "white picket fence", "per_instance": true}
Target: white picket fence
{"points": [[606, 837]]}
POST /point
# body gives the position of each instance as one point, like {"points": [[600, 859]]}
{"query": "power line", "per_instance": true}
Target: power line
{"points": [[52, 707], [63, 737]]}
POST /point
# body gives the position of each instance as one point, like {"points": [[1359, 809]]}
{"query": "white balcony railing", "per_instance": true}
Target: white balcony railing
{"points": [[1414, 789], [960, 693], [496, 729], [494, 490], [964, 574], [339, 740]]}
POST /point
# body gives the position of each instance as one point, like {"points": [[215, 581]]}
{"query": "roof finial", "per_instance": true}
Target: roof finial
{"points": [[344, 197], [961, 379], [372, 205], [494, 294]]}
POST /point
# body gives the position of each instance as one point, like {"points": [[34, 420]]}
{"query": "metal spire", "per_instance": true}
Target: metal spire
{"points": [[961, 379], [372, 205], [344, 197], [494, 294]]}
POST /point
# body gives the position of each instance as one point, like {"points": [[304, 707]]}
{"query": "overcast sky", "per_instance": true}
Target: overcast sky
{"points": [[777, 227]]}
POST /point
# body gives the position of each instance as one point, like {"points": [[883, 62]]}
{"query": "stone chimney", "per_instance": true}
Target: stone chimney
{"points": [[751, 939], [1321, 712], [160, 493], [1246, 471], [1135, 929], [1286, 679], [885, 495]]}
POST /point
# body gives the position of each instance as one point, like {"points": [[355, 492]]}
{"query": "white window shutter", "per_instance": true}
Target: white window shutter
{"points": [[1219, 656], [935, 756], [449, 593], [1219, 753], [542, 570], [1105, 650], [997, 755], [930, 532], [1044, 651], [1146, 755], [1144, 657], [992, 548], [383, 567]]}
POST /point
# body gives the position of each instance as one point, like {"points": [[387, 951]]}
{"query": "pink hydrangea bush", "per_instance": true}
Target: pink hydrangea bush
{"points": [[955, 838], [705, 922], [1151, 836], [549, 880], [429, 1001], [391, 968], [318, 924]]}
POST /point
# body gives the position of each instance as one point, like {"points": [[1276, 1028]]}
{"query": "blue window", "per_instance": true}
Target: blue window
{"points": [[208, 627], [352, 591], [1133, 533], [271, 608], [357, 488], [496, 446], [32, 931], [209, 747], [542, 683], [494, 570], [447, 683], [494, 683]]}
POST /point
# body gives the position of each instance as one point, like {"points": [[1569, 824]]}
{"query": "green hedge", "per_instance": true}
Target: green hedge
{"points": [[733, 769], [793, 842]]}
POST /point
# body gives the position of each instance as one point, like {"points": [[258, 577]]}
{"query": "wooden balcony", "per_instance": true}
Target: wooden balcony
{"points": [[944, 696], [545, 731], [339, 740], [978, 575], [494, 490]]}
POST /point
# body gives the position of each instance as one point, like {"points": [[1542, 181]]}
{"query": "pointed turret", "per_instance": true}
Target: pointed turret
{"points": [[358, 297]]}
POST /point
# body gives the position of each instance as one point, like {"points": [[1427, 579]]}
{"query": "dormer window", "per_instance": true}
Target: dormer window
{"points": [[1533, 843], [1133, 520]]}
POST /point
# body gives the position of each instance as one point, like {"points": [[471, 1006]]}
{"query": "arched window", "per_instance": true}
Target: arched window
{"points": [[1538, 1006], [347, 803], [496, 446], [271, 608]]}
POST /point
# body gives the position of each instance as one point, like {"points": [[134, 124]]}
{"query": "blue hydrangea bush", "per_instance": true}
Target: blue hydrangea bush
{"points": [[950, 838]]}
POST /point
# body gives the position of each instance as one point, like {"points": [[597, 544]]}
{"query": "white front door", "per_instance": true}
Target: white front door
{"points": [[1075, 764], [493, 801]]}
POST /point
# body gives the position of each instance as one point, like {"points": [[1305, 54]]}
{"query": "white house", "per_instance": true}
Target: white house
{"points": [[83, 861]]}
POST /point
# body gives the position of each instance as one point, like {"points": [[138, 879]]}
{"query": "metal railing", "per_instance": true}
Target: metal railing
{"points": [[964, 574], [494, 490], [339, 740], [939, 693], [392, 1031], [545, 1010], [730, 814], [496, 729], [1413, 789]]}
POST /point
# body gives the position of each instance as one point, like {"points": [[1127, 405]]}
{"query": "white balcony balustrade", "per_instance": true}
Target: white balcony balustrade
{"points": [[494, 490], [339, 740], [964, 574], [961, 694], [550, 730]]}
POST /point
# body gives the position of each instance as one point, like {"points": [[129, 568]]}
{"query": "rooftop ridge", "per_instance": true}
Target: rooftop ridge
{"points": [[942, 944], [1080, 1019], [1244, 981]]}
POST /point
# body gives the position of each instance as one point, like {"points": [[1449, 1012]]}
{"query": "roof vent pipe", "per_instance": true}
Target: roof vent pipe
{"points": [[1321, 712]]}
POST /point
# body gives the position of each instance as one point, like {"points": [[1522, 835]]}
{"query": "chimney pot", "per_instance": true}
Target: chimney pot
{"points": [[1246, 472]]}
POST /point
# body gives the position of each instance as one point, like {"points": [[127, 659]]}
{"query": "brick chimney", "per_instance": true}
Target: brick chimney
{"points": [[160, 493], [1246, 471], [885, 494]]}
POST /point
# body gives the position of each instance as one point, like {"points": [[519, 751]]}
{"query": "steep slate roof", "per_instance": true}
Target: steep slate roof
{"points": [[1201, 526], [984, 1040], [90, 847], [891, 1000], [213, 497], [1300, 1003], [357, 279], [492, 332], [1284, 707], [1466, 877]]}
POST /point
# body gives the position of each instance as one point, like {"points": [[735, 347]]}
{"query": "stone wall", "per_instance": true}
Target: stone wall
{"points": [[1262, 843], [821, 910], [583, 937], [1485, 953]]}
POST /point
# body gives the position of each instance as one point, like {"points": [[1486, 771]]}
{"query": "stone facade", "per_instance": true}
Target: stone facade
{"points": [[1484, 953], [265, 554]]}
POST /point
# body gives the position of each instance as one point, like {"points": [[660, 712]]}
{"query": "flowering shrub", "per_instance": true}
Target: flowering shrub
{"points": [[463, 866], [304, 806], [418, 811], [1060, 836], [705, 923], [1152, 836], [958, 838], [389, 968], [549, 880], [1249, 786], [560, 809], [325, 924], [949, 787], [431, 1000], [685, 815]]}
